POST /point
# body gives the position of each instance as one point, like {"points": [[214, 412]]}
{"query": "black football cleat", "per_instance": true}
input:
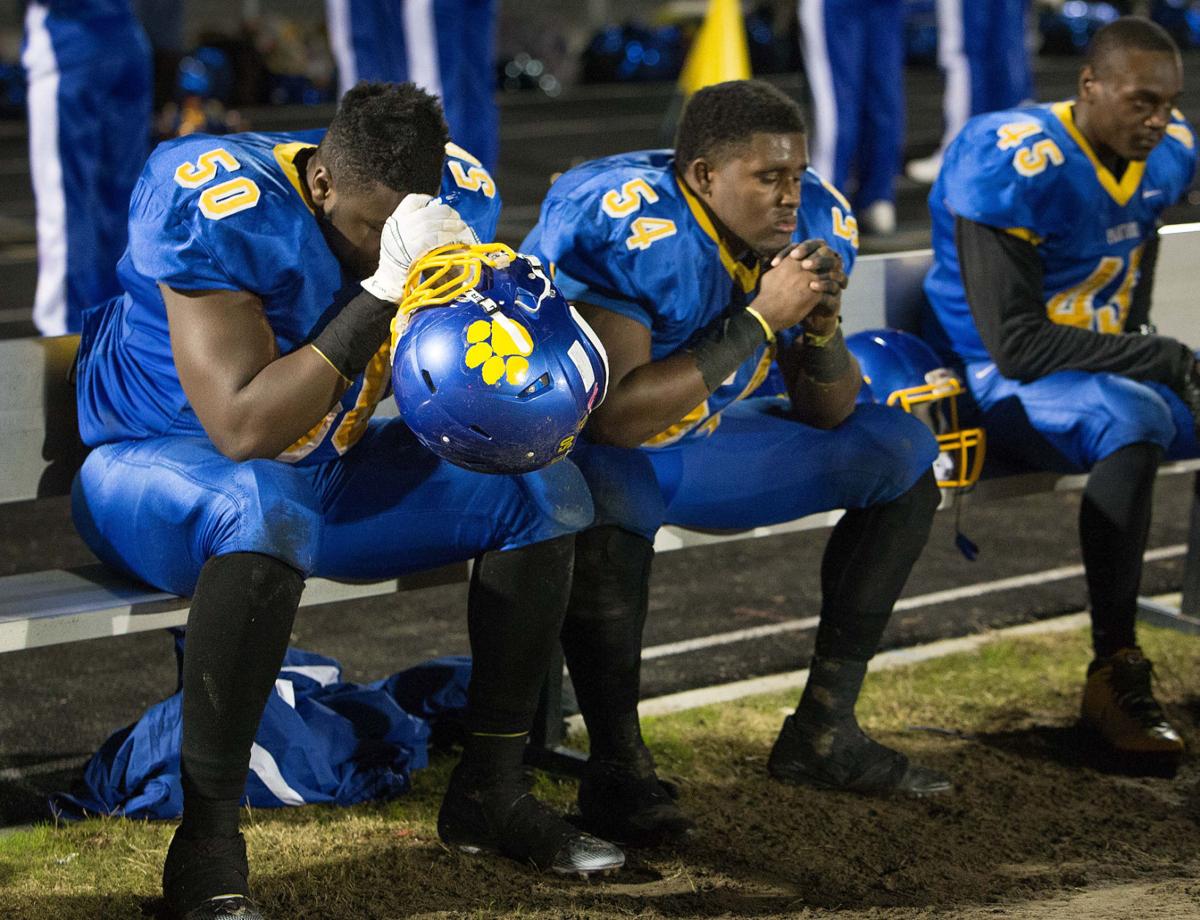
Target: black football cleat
{"points": [[629, 804], [206, 879], [505, 818], [852, 764]]}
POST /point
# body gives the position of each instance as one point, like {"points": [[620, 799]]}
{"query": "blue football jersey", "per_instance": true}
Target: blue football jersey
{"points": [[228, 213], [1031, 172], [623, 233]]}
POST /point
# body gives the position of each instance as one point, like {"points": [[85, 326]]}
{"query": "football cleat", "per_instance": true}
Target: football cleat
{"points": [[221, 907], [206, 878], [852, 764], [630, 804], [505, 818], [1119, 704]]}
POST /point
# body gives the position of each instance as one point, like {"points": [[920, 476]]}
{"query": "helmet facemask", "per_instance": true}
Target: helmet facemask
{"points": [[935, 403]]}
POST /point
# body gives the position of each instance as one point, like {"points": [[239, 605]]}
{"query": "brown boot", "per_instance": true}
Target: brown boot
{"points": [[1119, 704]]}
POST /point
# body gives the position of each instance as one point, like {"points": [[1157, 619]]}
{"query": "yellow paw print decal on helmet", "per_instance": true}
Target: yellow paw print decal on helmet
{"points": [[499, 346]]}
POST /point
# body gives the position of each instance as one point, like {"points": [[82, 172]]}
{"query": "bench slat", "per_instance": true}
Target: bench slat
{"points": [[90, 602]]}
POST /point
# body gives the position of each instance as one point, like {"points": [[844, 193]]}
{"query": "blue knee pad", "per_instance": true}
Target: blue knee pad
{"points": [[159, 509], [877, 455], [392, 507], [761, 467]]}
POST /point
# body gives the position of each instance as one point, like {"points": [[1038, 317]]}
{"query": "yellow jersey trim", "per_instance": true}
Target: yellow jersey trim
{"points": [[1120, 192], [832, 189], [285, 156], [1022, 233], [746, 277]]}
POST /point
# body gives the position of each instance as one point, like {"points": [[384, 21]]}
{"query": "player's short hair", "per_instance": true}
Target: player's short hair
{"points": [[721, 118], [392, 133], [1128, 32]]}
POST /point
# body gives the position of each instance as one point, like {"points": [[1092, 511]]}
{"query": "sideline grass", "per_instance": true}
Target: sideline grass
{"points": [[1019, 836]]}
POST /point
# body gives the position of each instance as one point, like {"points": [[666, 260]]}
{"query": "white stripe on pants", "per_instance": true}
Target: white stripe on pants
{"points": [[45, 166]]}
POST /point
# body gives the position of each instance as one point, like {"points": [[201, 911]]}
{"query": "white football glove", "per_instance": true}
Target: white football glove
{"points": [[415, 227]]}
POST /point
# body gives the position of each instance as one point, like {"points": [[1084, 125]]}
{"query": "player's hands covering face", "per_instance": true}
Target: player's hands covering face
{"points": [[804, 282], [415, 227]]}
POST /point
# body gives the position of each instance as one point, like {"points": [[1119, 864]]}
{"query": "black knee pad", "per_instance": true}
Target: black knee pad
{"points": [[612, 573]]}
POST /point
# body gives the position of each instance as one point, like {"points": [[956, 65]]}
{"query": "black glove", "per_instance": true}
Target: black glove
{"points": [[1187, 388]]}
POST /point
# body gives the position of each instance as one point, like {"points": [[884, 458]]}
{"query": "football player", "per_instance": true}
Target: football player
{"points": [[1044, 237], [684, 264], [228, 395]]}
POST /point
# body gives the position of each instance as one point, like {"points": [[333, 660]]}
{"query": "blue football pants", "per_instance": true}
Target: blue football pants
{"points": [[158, 509], [1069, 420], [759, 467]]}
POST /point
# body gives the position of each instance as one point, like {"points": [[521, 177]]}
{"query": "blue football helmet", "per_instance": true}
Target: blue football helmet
{"points": [[492, 369], [899, 369]]}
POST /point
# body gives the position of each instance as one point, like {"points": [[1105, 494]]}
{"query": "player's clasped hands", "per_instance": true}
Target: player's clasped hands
{"points": [[414, 228], [802, 278]]}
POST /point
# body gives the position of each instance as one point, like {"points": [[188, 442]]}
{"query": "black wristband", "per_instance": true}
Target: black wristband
{"points": [[351, 339], [725, 344], [826, 363]]}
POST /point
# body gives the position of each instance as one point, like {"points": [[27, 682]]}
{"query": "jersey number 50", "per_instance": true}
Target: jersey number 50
{"points": [[219, 201]]}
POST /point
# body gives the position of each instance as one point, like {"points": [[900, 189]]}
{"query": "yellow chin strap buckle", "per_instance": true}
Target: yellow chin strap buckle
{"points": [[443, 275]]}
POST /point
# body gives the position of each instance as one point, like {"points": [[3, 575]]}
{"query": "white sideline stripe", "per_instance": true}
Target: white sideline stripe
{"points": [[908, 603], [793, 680]]}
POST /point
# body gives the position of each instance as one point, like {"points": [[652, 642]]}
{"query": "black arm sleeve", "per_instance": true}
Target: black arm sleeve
{"points": [[1003, 279], [1139, 310]]}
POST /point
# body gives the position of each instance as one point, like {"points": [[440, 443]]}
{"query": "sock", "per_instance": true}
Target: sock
{"points": [[866, 563], [237, 631], [514, 615], [602, 637], [831, 692], [1114, 524]]}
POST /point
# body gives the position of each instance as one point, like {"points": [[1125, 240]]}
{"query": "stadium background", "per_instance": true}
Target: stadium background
{"points": [[100, 685]]}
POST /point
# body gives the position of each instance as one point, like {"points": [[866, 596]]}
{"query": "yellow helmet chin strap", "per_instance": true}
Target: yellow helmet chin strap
{"points": [[443, 275]]}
